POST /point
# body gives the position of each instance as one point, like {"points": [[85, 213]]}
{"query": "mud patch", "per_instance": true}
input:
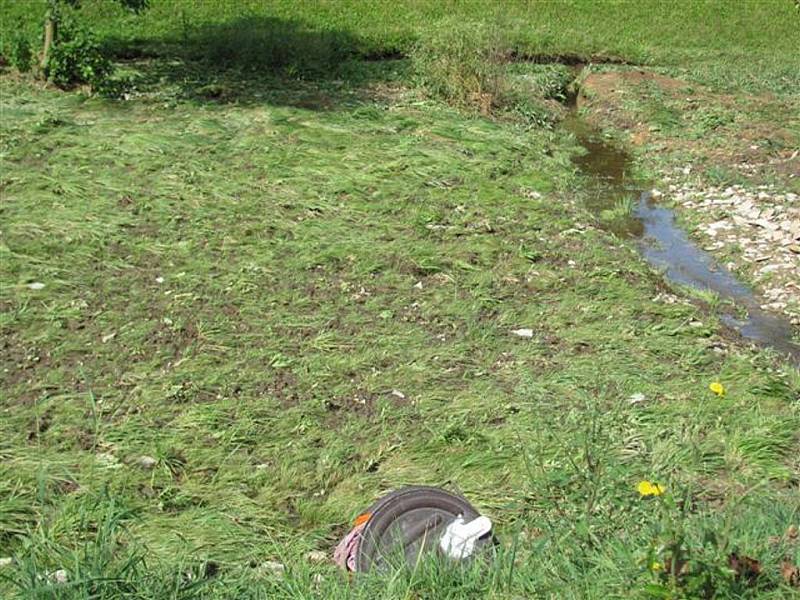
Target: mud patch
{"points": [[604, 84]]}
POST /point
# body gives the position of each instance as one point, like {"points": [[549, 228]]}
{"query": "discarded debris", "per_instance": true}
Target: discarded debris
{"points": [[636, 398], [60, 577], [404, 524], [524, 333]]}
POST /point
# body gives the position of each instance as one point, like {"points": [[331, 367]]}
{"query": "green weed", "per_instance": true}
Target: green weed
{"points": [[464, 64]]}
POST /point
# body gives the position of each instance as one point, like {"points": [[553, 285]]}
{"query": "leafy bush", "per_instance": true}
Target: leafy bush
{"points": [[464, 65], [20, 54], [77, 58]]}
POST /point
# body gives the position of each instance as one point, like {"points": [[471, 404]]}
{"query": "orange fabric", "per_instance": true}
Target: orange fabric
{"points": [[362, 519]]}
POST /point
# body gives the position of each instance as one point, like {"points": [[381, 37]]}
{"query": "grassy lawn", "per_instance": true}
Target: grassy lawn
{"points": [[751, 44], [296, 293]]}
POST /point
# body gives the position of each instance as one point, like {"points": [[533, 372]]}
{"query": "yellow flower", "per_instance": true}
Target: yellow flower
{"points": [[717, 388], [656, 566], [648, 488]]}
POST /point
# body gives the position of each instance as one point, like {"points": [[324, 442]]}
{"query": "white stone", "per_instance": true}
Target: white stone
{"points": [[636, 398], [317, 556], [271, 567], [59, 576], [147, 462]]}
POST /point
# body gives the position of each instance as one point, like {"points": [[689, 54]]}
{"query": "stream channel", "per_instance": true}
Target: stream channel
{"points": [[621, 204]]}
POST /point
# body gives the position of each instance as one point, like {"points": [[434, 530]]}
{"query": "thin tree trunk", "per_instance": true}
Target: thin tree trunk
{"points": [[50, 31]]}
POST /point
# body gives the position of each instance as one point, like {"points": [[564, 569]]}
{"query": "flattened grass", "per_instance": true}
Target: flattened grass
{"points": [[239, 291]]}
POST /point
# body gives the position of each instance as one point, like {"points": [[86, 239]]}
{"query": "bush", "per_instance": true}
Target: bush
{"points": [[77, 58], [20, 54], [464, 65]]}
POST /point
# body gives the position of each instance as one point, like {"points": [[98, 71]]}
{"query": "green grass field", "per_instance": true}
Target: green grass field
{"points": [[295, 288], [750, 45]]}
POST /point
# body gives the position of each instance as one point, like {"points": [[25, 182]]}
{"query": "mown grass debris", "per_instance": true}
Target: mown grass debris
{"points": [[239, 278]]}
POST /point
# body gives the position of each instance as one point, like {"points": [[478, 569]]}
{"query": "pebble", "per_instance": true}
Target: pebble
{"points": [[147, 462], [271, 567], [758, 225], [317, 556], [59, 576]]}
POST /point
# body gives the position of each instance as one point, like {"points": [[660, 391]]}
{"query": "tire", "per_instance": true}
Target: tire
{"points": [[421, 512]]}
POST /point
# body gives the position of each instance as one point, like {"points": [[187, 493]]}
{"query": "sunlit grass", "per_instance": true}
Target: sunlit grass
{"points": [[268, 301]]}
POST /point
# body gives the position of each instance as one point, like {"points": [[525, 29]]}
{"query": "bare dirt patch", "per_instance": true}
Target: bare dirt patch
{"points": [[753, 136]]}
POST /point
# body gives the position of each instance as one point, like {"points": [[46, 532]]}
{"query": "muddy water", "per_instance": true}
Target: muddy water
{"points": [[623, 207]]}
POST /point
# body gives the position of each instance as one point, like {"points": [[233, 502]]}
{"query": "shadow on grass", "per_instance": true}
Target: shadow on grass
{"points": [[256, 60]]}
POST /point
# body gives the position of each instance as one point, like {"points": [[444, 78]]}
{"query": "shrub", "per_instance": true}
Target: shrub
{"points": [[20, 54], [464, 65], [77, 58]]}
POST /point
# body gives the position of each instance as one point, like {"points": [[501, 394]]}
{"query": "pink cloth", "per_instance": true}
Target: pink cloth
{"points": [[345, 553]]}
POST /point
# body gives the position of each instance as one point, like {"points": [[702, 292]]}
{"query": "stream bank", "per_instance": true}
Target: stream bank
{"points": [[626, 207]]}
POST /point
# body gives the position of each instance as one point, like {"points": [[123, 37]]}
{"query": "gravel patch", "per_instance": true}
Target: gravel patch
{"points": [[754, 229]]}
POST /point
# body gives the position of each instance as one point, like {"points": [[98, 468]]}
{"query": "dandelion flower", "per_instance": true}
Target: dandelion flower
{"points": [[656, 566], [717, 388], [648, 488]]}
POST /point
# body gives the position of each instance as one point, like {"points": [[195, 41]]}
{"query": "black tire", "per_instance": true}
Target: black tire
{"points": [[436, 507]]}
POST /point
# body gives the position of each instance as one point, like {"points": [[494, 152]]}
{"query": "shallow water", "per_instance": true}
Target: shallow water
{"points": [[612, 191]]}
